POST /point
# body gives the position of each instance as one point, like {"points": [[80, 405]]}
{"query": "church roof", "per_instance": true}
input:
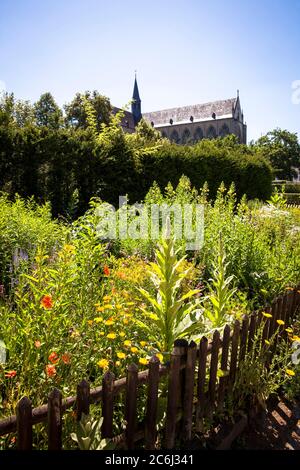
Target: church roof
{"points": [[200, 112], [127, 121]]}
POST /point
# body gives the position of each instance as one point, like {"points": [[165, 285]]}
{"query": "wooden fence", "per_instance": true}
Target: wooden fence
{"points": [[194, 393]]}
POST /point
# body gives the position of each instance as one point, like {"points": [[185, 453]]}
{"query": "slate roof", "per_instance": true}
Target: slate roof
{"points": [[199, 112], [127, 121]]}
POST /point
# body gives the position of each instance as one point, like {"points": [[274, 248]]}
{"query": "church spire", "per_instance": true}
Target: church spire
{"points": [[136, 103]]}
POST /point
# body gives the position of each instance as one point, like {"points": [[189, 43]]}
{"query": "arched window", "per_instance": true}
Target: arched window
{"points": [[185, 136], [224, 130], [211, 133], [198, 134], [174, 137]]}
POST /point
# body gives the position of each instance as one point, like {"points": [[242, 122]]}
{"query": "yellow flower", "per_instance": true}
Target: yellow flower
{"points": [[130, 303], [290, 372], [280, 322], [90, 322], [109, 322], [118, 306], [103, 363], [160, 357], [295, 338], [98, 319], [267, 315], [108, 306], [267, 342], [122, 334], [134, 349], [106, 298], [143, 361], [111, 335], [121, 355], [75, 333], [118, 363], [69, 249], [102, 333], [143, 343], [289, 330], [100, 309], [125, 321], [127, 343]]}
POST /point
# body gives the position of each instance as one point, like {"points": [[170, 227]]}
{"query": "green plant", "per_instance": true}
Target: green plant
{"points": [[278, 199], [173, 315], [88, 434]]}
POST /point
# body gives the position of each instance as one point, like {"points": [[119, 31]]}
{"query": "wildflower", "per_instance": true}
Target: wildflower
{"points": [[106, 270], [267, 342], [100, 309], [111, 335], [125, 321], [143, 361], [50, 370], [143, 343], [11, 374], [290, 372], [47, 302], [160, 357], [267, 315], [121, 275], [90, 322], [108, 307], [280, 322], [134, 349], [118, 306], [98, 319], [69, 249], [109, 322], [102, 333], [289, 330], [127, 343], [103, 363], [106, 298], [37, 343], [118, 363], [53, 358], [75, 333], [295, 338], [121, 355], [130, 303], [66, 358], [122, 334]]}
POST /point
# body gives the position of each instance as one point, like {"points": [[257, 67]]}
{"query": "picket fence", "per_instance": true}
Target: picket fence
{"points": [[194, 391]]}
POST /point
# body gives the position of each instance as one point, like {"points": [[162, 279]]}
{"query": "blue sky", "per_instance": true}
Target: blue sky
{"points": [[185, 52]]}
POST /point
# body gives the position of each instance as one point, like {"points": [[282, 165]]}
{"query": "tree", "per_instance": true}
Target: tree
{"points": [[282, 149], [47, 112], [7, 105], [24, 113], [76, 115]]}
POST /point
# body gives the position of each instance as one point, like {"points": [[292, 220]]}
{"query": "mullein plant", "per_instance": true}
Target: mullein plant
{"points": [[171, 314]]}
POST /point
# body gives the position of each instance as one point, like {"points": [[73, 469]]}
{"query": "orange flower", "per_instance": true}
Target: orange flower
{"points": [[53, 357], [10, 374], [121, 275], [50, 370], [106, 270], [47, 302], [37, 343], [66, 358]]}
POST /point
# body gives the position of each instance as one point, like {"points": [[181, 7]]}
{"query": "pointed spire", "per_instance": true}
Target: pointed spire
{"points": [[136, 95], [136, 103]]}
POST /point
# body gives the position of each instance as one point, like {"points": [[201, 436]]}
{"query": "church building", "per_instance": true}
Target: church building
{"points": [[189, 124]]}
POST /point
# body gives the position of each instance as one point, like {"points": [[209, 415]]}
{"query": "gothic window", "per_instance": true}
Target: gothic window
{"points": [[185, 136], [211, 133], [224, 130], [174, 137], [198, 134]]}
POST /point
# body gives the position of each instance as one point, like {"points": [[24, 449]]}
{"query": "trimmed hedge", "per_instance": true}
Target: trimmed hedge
{"points": [[68, 167]]}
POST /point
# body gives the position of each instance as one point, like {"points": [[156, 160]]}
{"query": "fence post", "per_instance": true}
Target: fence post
{"points": [[107, 404], [252, 329], [150, 426], [201, 382], [224, 364], [188, 394], [24, 424], [234, 352], [173, 397], [131, 404], [213, 368], [244, 334], [82, 399], [54, 420]]}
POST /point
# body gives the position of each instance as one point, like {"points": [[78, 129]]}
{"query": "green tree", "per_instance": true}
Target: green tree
{"points": [[76, 111], [282, 149], [47, 112]]}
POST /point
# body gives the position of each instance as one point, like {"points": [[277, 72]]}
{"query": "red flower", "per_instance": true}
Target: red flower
{"points": [[53, 357], [106, 270], [47, 302], [50, 370], [37, 343], [66, 358], [10, 374]]}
